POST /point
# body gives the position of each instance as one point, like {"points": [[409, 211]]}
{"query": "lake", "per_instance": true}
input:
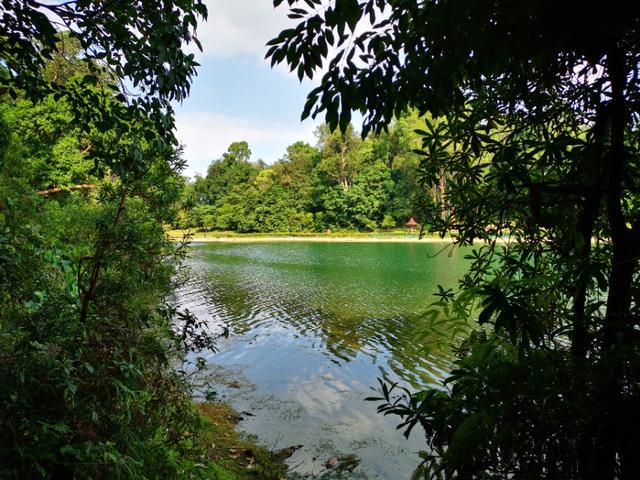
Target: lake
{"points": [[312, 326]]}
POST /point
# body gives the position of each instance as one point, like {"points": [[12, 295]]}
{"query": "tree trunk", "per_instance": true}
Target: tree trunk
{"points": [[590, 210], [585, 228], [442, 186], [97, 262], [343, 168], [615, 441], [51, 191]]}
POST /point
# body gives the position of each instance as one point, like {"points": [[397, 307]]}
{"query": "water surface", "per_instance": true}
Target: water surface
{"points": [[313, 325]]}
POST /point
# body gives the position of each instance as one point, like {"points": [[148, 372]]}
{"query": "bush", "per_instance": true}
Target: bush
{"points": [[88, 385]]}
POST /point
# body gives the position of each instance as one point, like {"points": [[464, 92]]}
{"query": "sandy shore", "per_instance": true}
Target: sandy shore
{"points": [[373, 238]]}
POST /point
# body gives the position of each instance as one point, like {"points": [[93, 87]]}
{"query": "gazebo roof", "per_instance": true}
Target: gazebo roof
{"points": [[411, 222]]}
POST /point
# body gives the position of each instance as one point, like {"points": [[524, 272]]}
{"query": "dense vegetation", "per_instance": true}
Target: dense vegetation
{"points": [[87, 388], [531, 113], [92, 383], [536, 126], [343, 183]]}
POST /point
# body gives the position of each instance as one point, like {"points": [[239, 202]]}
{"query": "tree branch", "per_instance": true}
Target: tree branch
{"points": [[52, 191]]}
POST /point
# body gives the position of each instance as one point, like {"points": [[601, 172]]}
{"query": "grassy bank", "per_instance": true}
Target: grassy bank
{"points": [[233, 455], [399, 236]]}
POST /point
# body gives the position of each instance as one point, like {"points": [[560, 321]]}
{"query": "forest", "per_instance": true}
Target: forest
{"points": [[342, 183], [92, 383], [512, 127]]}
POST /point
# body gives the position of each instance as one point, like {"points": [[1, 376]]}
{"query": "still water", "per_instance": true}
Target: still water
{"points": [[312, 327]]}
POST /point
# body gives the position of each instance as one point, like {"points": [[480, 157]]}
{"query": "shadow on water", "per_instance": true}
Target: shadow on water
{"points": [[312, 326]]}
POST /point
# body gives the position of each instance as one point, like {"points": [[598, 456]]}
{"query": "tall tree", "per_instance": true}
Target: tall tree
{"points": [[139, 43], [539, 142], [231, 172], [237, 152], [88, 387], [341, 156], [295, 171], [396, 148]]}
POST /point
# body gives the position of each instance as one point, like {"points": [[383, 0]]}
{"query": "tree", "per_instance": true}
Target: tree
{"points": [[140, 42], [396, 148], [347, 183], [341, 156], [230, 172], [237, 152], [535, 125], [67, 62], [295, 171], [58, 151], [88, 384]]}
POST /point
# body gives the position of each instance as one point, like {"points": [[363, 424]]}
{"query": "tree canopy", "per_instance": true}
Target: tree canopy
{"points": [[342, 183], [431, 54], [534, 123], [90, 339], [139, 43]]}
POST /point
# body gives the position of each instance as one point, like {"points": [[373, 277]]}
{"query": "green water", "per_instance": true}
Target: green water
{"points": [[312, 327]]}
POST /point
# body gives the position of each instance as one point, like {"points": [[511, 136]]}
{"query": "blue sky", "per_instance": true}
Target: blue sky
{"points": [[236, 95]]}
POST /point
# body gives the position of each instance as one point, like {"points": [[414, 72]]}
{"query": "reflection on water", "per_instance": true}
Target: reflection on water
{"points": [[312, 325]]}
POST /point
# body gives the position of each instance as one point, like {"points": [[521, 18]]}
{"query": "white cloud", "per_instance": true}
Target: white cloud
{"points": [[240, 27], [243, 27], [207, 135]]}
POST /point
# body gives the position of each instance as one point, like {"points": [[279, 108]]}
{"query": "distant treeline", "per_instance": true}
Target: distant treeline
{"points": [[342, 183]]}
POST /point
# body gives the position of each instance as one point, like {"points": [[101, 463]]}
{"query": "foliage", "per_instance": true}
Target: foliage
{"points": [[344, 183], [90, 393], [140, 43], [56, 148], [531, 136], [91, 380]]}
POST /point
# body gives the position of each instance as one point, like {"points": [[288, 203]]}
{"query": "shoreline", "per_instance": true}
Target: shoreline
{"points": [[212, 237]]}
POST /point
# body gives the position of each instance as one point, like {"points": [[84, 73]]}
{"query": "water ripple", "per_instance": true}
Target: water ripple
{"points": [[346, 303]]}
